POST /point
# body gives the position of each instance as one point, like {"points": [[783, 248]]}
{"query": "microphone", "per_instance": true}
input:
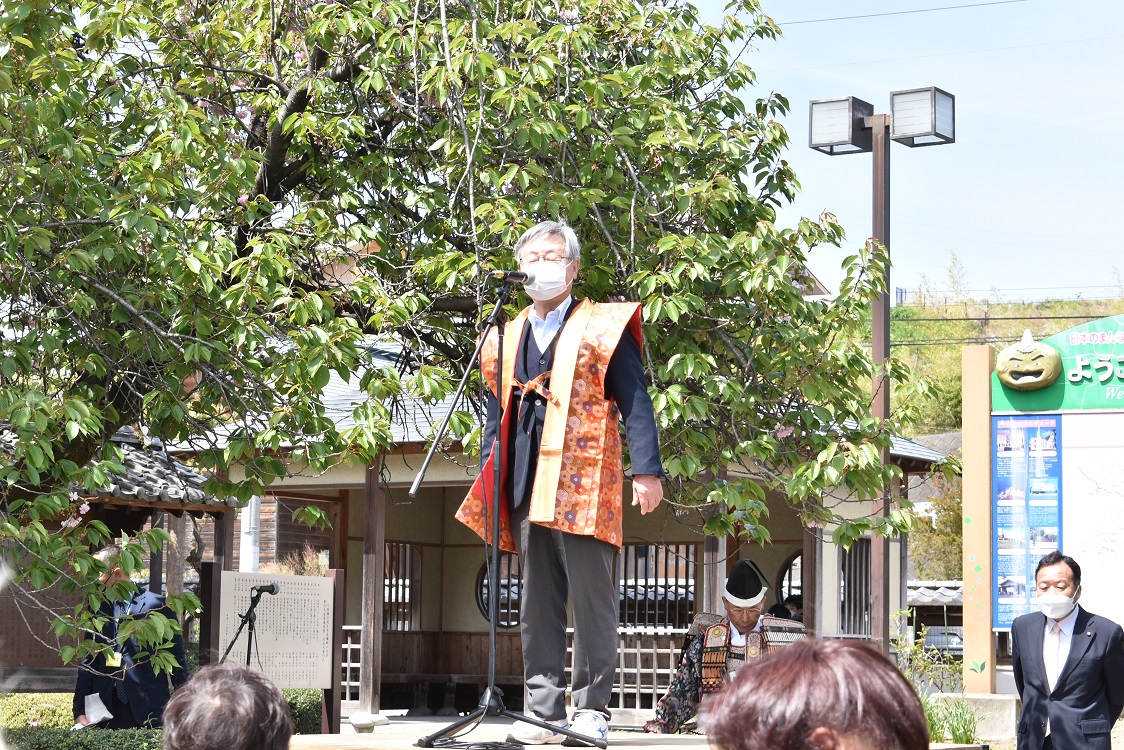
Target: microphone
{"points": [[267, 588], [521, 276]]}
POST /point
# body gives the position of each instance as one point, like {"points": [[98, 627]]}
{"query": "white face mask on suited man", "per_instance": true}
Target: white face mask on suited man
{"points": [[1056, 605]]}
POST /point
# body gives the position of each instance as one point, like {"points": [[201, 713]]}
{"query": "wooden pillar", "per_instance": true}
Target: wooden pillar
{"points": [[977, 362], [714, 573], [224, 540], [210, 588], [210, 593], [330, 713], [338, 513], [374, 551], [156, 559], [177, 550], [810, 580]]}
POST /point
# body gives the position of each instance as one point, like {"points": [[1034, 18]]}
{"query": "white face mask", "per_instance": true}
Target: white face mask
{"points": [[1057, 606], [550, 279]]}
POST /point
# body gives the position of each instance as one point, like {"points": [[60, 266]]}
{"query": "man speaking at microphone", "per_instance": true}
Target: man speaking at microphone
{"points": [[572, 373]]}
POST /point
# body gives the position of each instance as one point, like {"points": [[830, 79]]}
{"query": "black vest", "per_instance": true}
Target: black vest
{"points": [[527, 422]]}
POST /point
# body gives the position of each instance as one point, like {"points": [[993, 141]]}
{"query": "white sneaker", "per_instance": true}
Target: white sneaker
{"points": [[529, 734], [589, 723]]}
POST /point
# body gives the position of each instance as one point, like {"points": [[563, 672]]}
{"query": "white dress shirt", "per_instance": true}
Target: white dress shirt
{"points": [[1055, 649], [545, 329]]}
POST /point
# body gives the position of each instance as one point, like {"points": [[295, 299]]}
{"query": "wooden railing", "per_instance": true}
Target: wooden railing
{"points": [[646, 661]]}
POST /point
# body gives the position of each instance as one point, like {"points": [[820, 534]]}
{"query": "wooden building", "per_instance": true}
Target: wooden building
{"points": [[154, 482], [416, 627], [424, 622]]}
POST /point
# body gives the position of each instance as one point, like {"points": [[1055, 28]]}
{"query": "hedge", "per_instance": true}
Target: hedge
{"points": [[53, 710], [305, 708], [35, 712], [49, 738]]}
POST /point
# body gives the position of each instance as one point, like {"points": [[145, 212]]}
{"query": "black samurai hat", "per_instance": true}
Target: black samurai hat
{"points": [[744, 587]]}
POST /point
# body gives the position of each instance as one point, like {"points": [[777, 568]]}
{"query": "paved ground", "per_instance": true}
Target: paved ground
{"points": [[403, 732], [1117, 739]]}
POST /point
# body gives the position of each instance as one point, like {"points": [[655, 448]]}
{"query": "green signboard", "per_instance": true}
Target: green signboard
{"points": [[1091, 377]]}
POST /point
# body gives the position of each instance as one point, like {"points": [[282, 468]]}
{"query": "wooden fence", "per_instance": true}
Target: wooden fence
{"points": [[646, 661]]}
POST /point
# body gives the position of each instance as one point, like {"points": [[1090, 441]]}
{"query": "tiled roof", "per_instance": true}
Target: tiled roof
{"points": [[411, 420], [903, 448], [414, 420], [922, 490], [935, 593], [945, 442], [151, 475]]}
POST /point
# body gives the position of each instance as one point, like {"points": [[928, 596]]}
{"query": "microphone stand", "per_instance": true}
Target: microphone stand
{"points": [[491, 702], [247, 619]]}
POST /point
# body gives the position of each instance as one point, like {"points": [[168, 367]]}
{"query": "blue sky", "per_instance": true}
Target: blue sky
{"points": [[1028, 198]]}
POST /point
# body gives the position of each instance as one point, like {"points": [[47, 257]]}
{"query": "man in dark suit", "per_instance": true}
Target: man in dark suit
{"points": [[1068, 665], [122, 682]]}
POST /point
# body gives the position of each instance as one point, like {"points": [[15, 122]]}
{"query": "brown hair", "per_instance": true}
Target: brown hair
{"points": [[780, 700], [228, 708]]}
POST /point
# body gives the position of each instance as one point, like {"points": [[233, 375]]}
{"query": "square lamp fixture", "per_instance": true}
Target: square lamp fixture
{"points": [[840, 126], [923, 117]]}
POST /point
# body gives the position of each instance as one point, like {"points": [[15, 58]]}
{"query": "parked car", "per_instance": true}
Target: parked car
{"points": [[948, 639]]}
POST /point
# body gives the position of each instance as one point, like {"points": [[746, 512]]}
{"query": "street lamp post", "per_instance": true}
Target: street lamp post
{"points": [[846, 125]]}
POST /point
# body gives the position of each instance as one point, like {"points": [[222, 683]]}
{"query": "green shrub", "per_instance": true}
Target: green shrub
{"points": [[961, 720], [21, 710], [928, 669], [955, 721], [41, 738], [305, 708], [55, 710], [935, 716]]}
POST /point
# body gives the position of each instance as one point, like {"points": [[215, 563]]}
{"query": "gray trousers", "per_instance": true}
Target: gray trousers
{"points": [[557, 565]]}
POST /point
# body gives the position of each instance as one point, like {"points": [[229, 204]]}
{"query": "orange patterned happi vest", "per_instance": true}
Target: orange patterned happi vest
{"points": [[579, 478]]}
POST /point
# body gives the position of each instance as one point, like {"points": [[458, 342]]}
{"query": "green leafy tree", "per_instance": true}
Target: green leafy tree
{"points": [[211, 207], [935, 544]]}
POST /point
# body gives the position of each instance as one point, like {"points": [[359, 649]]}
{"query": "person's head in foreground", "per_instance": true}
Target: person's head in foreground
{"points": [[228, 708], [818, 695]]}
